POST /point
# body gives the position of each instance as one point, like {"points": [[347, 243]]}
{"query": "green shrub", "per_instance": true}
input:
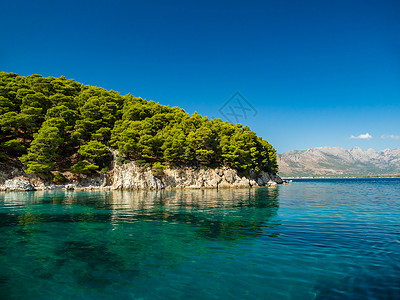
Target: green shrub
{"points": [[38, 168], [84, 167], [158, 169], [140, 162], [122, 160], [59, 178], [104, 170], [13, 147]]}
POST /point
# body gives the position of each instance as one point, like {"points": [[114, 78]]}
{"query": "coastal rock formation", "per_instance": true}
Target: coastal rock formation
{"points": [[112, 129], [17, 184], [129, 176]]}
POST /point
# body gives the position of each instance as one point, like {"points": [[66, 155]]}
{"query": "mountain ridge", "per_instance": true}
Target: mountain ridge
{"points": [[337, 161]]}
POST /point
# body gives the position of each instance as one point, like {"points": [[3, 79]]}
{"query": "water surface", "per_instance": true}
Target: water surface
{"points": [[313, 239]]}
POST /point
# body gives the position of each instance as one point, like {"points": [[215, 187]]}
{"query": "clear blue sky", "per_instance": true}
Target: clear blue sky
{"points": [[317, 72]]}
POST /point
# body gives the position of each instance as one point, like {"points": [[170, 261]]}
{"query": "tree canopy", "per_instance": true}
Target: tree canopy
{"points": [[45, 120]]}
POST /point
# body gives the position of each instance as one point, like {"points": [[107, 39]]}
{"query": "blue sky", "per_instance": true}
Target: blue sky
{"points": [[315, 72]]}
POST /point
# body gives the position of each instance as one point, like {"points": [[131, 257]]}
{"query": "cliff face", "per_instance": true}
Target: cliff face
{"points": [[130, 176]]}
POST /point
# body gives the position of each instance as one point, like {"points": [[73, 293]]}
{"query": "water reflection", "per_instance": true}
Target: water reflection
{"points": [[217, 213], [137, 200], [100, 240], [335, 242], [208, 198]]}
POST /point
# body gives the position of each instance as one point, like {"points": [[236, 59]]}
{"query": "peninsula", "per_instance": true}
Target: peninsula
{"points": [[59, 133]]}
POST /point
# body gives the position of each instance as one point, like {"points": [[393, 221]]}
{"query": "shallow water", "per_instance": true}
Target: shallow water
{"points": [[313, 239]]}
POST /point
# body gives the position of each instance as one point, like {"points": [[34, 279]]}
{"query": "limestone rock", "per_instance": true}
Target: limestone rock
{"points": [[242, 183], [132, 177], [71, 186], [18, 184], [229, 175]]}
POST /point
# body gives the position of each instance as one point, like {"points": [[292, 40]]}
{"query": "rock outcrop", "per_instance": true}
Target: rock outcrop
{"points": [[17, 184], [132, 177]]}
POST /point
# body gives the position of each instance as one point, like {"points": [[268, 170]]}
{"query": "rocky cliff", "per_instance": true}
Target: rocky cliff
{"points": [[132, 177]]}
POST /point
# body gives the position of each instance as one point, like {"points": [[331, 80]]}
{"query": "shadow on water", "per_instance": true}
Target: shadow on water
{"points": [[98, 239]]}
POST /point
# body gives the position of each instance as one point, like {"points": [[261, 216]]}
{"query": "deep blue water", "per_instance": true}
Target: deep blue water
{"points": [[313, 239]]}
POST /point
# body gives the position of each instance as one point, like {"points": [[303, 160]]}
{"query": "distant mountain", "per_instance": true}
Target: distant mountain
{"points": [[336, 161]]}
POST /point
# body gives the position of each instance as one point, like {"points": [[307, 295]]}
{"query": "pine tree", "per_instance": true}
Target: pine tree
{"points": [[43, 150]]}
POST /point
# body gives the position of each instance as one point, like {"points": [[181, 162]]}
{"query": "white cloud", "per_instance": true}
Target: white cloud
{"points": [[365, 136], [390, 136]]}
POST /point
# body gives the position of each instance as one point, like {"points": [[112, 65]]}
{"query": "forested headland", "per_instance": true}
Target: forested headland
{"points": [[56, 124]]}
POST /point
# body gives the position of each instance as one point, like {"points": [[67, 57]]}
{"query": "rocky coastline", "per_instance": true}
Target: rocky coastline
{"points": [[129, 176]]}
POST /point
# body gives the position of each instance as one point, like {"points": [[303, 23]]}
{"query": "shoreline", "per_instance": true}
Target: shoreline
{"points": [[131, 177], [110, 188], [344, 177]]}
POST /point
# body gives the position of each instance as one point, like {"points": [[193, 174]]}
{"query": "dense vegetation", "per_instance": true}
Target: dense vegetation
{"points": [[59, 124]]}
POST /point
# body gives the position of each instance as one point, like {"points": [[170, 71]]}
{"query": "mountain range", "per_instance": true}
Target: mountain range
{"points": [[336, 161]]}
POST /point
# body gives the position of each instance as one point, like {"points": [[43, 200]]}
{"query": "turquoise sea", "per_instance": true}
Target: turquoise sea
{"points": [[312, 239]]}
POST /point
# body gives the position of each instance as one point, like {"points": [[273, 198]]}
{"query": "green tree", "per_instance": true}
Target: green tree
{"points": [[43, 150], [59, 115], [176, 147], [84, 167], [94, 151], [202, 141]]}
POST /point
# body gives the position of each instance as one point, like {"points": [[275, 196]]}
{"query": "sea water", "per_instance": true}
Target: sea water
{"points": [[312, 239]]}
